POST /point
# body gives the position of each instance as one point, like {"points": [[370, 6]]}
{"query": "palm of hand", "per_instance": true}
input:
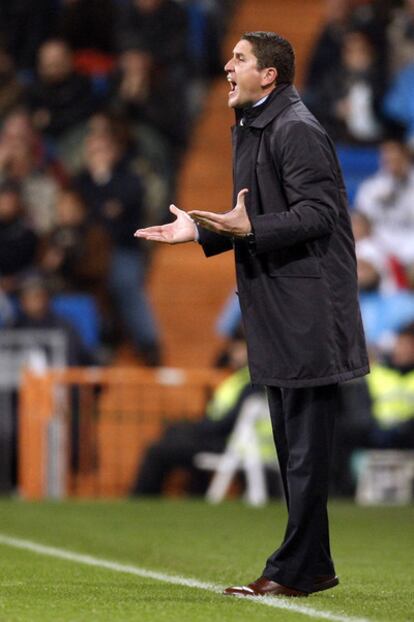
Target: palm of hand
{"points": [[235, 223], [181, 230], [175, 232]]}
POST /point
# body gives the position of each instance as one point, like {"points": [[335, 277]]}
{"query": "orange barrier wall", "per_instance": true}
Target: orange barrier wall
{"points": [[108, 417]]}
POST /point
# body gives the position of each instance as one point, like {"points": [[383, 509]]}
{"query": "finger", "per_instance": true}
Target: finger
{"points": [[142, 233], [174, 209], [152, 233], [241, 196]]}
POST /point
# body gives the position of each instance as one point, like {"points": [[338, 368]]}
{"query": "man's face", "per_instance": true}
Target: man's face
{"points": [[148, 6], [368, 276], [409, 5], [35, 302], [247, 81], [358, 54], [395, 160], [403, 352], [55, 62], [101, 154], [70, 210], [9, 205], [135, 63]]}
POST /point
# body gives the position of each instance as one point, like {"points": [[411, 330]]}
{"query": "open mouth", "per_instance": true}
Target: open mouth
{"points": [[233, 85]]}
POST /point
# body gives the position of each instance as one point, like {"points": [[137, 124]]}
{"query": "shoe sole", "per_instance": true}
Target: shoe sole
{"points": [[326, 585]]}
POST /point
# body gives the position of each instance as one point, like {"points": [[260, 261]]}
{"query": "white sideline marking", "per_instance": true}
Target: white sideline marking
{"points": [[89, 560]]}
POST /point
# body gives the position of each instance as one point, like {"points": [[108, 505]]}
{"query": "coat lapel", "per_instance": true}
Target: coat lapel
{"points": [[285, 96]]}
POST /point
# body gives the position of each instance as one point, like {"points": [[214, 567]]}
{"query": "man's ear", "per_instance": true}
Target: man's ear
{"points": [[269, 76]]}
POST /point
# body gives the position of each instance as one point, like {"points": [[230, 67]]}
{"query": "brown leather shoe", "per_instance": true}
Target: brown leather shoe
{"points": [[324, 583], [263, 587]]}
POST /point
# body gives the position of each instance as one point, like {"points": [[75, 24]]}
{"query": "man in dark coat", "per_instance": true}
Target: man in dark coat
{"points": [[60, 98], [296, 274]]}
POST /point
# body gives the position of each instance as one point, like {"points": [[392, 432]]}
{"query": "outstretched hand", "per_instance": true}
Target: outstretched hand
{"points": [[182, 229], [235, 223]]}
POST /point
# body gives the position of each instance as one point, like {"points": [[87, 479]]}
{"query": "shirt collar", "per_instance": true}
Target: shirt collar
{"points": [[261, 101]]}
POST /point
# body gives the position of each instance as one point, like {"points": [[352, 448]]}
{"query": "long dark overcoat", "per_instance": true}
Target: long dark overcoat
{"points": [[297, 285]]}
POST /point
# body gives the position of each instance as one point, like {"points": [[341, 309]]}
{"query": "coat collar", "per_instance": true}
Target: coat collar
{"points": [[283, 96]]}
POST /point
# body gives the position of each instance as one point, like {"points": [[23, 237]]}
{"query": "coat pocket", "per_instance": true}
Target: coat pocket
{"points": [[294, 263]]}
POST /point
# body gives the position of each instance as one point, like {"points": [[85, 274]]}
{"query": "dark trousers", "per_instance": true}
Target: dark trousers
{"points": [[303, 426]]}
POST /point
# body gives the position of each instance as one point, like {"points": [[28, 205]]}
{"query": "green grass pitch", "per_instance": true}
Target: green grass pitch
{"points": [[225, 544]]}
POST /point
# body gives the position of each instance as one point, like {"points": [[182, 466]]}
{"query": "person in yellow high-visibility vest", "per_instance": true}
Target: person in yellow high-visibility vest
{"points": [[377, 411], [391, 388]]}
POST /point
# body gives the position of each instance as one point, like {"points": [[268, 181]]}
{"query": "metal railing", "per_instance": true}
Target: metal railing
{"points": [[20, 349]]}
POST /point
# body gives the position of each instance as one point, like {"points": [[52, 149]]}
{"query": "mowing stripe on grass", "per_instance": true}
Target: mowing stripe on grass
{"points": [[89, 560]]}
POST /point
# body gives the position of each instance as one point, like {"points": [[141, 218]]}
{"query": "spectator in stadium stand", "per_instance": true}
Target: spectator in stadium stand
{"points": [[143, 24], [378, 411], [148, 22], [18, 243], [60, 99], [393, 273], [291, 233], [25, 159], [24, 25], [398, 104], [35, 312], [391, 389], [182, 440], [373, 17], [348, 100], [11, 91], [74, 256], [340, 17], [115, 198], [383, 312], [142, 152], [87, 24], [147, 96], [387, 199], [325, 57], [401, 37]]}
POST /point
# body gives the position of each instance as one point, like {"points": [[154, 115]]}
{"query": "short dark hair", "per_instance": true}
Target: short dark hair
{"points": [[272, 50], [407, 330]]}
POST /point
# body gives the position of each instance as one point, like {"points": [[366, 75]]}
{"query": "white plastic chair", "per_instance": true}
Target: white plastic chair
{"points": [[386, 477], [243, 453]]}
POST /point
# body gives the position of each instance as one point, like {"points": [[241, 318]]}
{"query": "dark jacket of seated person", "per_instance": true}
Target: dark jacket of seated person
{"points": [[18, 243], [181, 441]]}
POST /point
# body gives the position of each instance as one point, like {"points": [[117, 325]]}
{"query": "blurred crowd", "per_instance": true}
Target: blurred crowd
{"points": [[97, 103], [360, 84]]}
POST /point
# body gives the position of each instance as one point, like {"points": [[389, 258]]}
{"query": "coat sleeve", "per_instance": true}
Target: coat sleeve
{"points": [[311, 183], [213, 243]]}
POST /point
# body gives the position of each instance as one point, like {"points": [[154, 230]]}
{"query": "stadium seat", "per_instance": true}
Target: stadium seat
{"points": [[82, 312], [385, 477], [357, 164]]}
